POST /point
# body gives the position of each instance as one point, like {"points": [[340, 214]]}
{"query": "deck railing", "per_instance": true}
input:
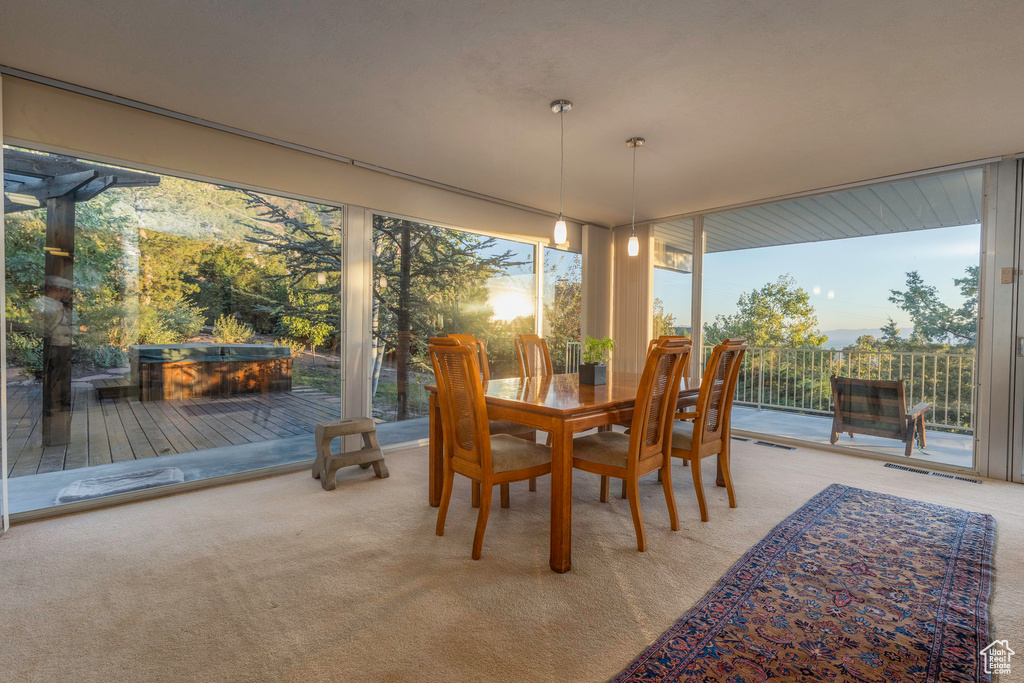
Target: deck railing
{"points": [[798, 379], [573, 356]]}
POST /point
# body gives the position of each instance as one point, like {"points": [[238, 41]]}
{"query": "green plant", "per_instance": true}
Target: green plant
{"points": [[596, 350], [108, 356], [228, 330], [297, 347], [25, 351]]}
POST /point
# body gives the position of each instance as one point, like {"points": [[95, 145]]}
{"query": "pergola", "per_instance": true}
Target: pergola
{"points": [[32, 181]]}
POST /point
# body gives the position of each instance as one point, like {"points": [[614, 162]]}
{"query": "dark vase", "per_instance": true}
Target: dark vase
{"points": [[593, 373]]}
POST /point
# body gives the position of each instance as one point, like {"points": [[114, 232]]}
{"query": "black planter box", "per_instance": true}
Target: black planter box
{"points": [[593, 373]]}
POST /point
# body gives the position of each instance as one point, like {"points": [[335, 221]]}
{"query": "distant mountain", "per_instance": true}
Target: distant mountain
{"points": [[838, 339]]}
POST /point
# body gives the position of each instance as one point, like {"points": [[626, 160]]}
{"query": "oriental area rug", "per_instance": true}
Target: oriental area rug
{"points": [[853, 586]]}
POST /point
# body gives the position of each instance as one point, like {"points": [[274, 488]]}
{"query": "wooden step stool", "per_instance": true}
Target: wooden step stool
{"points": [[115, 388], [327, 463]]}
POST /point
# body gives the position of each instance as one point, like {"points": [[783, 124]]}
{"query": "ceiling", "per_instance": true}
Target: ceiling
{"points": [[924, 203], [739, 100]]}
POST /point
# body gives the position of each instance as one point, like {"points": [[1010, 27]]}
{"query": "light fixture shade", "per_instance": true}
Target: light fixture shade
{"points": [[561, 232], [633, 248]]}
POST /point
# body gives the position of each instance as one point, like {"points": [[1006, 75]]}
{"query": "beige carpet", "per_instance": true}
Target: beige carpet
{"points": [[279, 580]]}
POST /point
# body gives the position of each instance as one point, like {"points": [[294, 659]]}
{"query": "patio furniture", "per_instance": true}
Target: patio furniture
{"points": [[328, 462], [179, 371], [647, 447], [709, 432], [533, 356], [470, 450], [877, 408]]}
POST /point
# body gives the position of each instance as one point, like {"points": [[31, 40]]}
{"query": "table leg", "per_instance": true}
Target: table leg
{"points": [[436, 452], [561, 498]]}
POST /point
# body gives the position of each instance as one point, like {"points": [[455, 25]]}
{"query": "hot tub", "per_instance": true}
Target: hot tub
{"points": [[176, 371]]}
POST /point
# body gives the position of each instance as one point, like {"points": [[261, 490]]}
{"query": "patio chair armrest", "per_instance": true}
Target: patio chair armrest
{"points": [[918, 410]]}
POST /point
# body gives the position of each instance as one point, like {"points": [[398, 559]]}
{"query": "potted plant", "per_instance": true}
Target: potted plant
{"points": [[593, 369]]}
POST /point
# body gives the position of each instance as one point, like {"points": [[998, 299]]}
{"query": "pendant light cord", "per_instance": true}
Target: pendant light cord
{"points": [[634, 190], [561, 167]]}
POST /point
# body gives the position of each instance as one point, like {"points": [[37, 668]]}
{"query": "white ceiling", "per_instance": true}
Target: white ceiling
{"points": [[738, 99]]}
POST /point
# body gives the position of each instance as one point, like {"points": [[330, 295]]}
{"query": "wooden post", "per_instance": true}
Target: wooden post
{"points": [[55, 311]]}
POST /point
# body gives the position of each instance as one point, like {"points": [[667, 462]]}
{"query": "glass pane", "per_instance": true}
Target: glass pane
{"points": [[430, 281], [563, 301], [673, 278], [161, 324], [876, 284]]}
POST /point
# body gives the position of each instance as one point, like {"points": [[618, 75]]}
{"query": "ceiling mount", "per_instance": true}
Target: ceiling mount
{"points": [[635, 142], [561, 106]]}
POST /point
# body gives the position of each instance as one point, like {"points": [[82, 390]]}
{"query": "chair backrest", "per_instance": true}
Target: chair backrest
{"points": [[717, 388], [871, 406], [650, 432], [481, 349], [685, 384], [461, 399], [533, 356]]}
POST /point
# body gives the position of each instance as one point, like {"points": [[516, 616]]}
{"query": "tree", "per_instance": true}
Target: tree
{"points": [[563, 311], [935, 321], [427, 280], [779, 314], [664, 323]]}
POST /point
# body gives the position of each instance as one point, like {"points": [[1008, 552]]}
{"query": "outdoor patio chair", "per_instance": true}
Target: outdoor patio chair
{"points": [[876, 407]]}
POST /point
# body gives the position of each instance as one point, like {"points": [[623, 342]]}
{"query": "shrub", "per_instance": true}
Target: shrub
{"points": [[228, 330], [25, 351], [297, 347], [108, 356]]}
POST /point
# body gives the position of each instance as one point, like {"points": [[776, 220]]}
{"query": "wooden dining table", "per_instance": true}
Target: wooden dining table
{"points": [[561, 406]]}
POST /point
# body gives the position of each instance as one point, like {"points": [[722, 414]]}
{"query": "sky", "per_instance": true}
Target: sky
{"points": [[849, 280]]}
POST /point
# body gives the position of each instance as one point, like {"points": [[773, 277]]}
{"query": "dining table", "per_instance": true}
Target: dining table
{"points": [[562, 406]]}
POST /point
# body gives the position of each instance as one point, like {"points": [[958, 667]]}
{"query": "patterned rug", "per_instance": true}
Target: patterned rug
{"points": [[853, 586]]}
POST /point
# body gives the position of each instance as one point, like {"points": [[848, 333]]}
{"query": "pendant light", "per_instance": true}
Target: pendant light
{"points": [[561, 107], [633, 246]]}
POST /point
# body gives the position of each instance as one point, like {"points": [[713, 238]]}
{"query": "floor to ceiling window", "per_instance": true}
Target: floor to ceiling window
{"points": [[160, 329], [563, 306], [429, 281], [876, 284], [673, 278]]}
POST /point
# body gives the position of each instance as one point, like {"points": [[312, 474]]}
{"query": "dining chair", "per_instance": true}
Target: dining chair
{"points": [[533, 356], [647, 446], [709, 432], [496, 426], [688, 343], [470, 449]]}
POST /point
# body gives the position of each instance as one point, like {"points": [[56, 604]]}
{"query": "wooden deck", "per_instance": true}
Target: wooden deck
{"points": [[118, 429]]}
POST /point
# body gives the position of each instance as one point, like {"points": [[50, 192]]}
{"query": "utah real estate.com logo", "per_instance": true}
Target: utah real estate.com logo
{"points": [[997, 657]]}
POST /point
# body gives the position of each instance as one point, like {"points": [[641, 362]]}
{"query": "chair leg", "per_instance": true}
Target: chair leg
{"points": [[723, 465], [638, 519], [446, 497], [476, 494], [481, 521], [665, 474], [659, 475], [698, 486], [920, 431], [604, 488], [504, 495], [623, 488], [533, 483], [911, 437]]}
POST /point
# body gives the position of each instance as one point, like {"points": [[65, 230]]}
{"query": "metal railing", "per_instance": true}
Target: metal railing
{"points": [[573, 356], [798, 379]]}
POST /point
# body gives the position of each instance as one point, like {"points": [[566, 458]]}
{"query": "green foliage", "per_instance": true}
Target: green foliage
{"points": [[25, 351], [563, 306], [664, 323], [313, 333], [161, 326], [778, 314], [228, 330], [296, 347], [596, 350], [935, 321], [107, 356]]}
